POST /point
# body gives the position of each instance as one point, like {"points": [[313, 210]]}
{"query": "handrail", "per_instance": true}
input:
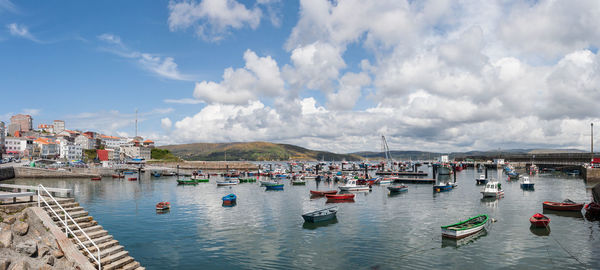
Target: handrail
{"points": [[65, 223]]}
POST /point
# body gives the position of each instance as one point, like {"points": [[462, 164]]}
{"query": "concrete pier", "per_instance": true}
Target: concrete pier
{"points": [[7, 173], [591, 174]]}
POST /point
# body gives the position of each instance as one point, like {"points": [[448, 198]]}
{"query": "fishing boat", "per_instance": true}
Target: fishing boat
{"points": [[267, 182], [443, 187], [340, 196], [320, 215], [132, 178], [492, 189], [118, 176], [396, 189], [566, 205], [482, 180], [274, 187], [465, 228], [96, 178], [322, 193], [539, 220], [512, 175], [444, 170], [384, 181], [186, 182], [352, 186], [527, 184], [228, 182], [229, 199], [247, 180], [298, 182], [161, 206]]}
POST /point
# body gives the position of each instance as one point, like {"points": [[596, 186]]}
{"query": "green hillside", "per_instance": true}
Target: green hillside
{"points": [[252, 151]]}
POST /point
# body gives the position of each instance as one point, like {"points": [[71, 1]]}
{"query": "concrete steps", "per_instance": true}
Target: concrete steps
{"points": [[112, 254]]}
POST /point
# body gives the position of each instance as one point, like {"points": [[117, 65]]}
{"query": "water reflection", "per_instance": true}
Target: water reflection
{"points": [[313, 226], [573, 214], [456, 243], [540, 231]]}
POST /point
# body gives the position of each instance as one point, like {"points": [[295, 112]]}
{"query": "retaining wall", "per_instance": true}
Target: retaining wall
{"points": [[28, 172], [7, 173]]}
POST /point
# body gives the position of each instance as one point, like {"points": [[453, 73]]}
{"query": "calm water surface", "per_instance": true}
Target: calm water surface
{"points": [[265, 229]]}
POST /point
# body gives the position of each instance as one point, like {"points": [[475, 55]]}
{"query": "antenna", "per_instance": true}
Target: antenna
{"points": [[136, 126]]}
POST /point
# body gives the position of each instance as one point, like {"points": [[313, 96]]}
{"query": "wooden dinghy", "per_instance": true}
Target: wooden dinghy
{"points": [[465, 228], [320, 215], [566, 205], [539, 220]]}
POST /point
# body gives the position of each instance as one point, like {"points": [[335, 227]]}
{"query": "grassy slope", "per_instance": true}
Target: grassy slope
{"points": [[255, 151]]}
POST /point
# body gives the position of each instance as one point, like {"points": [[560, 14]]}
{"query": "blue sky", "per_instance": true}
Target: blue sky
{"points": [[430, 75]]}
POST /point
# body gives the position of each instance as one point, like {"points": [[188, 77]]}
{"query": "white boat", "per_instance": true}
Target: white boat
{"points": [[492, 189], [228, 182], [352, 186], [385, 182], [268, 182]]}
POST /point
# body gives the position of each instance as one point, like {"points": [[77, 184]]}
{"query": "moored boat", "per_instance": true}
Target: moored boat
{"points": [[527, 184], [274, 186], [322, 193], [539, 220], [340, 196], [118, 176], [465, 228], [229, 199], [228, 182], [320, 215], [247, 180], [186, 182], [443, 187], [567, 205], [132, 178], [482, 180], [265, 183], [298, 182], [396, 189], [592, 209], [352, 186], [492, 189], [163, 206], [96, 178]]}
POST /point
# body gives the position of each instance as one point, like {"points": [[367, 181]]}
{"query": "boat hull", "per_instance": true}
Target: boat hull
{"points": [[562, 206], [339, 196], [527, 186], [442, 188], [450, 232], [496, 194], [274, 187], [397, 189], [322, 193], [327, 215], [357, 188], [539, 223], [481, 181]]}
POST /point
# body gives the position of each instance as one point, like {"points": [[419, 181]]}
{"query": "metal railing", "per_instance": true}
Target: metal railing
{"points": [[65, 222]]}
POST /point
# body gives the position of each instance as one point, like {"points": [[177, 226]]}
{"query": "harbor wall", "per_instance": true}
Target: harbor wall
{"points": [[592, 174], [29, 172], [207, 165], [7, 173]]}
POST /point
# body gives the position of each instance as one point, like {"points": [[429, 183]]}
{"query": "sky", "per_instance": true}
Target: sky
{"points": [[328, 75]]}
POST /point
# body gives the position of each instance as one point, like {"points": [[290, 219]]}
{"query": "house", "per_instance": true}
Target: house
{"points": [[69, 150], [136, 152], [47, 148], [85, 141], [16, 146], [148, 143]]}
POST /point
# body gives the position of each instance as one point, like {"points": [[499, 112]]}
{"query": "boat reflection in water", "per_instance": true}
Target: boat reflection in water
{"points": [[490, 201], [540, 231], [456, 243], [162, 212], [313, 226], [573, 214]]}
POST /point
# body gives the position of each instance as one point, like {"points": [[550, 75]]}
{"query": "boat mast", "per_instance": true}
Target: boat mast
{"points": [[386, 150]]}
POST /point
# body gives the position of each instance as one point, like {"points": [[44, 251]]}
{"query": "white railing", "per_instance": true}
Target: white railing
{"points": [[65, 222]]}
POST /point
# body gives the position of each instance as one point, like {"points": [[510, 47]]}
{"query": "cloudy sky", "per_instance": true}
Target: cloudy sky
{"points": [[330, 75]]}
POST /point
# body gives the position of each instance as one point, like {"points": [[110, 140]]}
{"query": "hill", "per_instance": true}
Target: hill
{"points": [[252, 151]]}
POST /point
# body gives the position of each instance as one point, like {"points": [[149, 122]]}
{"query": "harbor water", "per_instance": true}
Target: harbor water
{"points": [[265, 229]]}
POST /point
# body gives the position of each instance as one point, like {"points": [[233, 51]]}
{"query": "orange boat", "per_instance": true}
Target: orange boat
{"points": [[567, 205], [132, 179], [96, 178]]}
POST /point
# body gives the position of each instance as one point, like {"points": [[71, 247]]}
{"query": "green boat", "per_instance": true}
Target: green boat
{"points": [[186, 182], [247, 180], [465, 228], [201, 180]]}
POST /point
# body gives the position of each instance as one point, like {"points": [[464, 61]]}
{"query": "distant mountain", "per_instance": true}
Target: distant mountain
{"points": [[421, 155], [252, 151], [401, 155]]}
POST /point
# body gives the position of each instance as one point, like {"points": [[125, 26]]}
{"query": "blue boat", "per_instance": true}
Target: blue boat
{"points": [[527, 185], [156, 174], [443, 187], [274, 186], [482, 180], [128, 172], [229, 199]]}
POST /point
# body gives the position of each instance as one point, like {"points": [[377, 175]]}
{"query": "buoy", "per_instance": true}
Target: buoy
{"points": [[494, 220]]}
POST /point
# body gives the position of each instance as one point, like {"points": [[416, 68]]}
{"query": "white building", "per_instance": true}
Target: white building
{"points": [[112, 142], [85, 142], [136, 152], [444, 159], [70, 151], [59, 126], [47, 148], [18, 146]]}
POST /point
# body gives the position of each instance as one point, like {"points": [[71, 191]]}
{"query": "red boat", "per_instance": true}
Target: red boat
{"points": [[592, 209], [563, 206], [339, 196], [96, 178], [539, 220], [132, 179], [322, 193], [118, 176], [163, 206]]}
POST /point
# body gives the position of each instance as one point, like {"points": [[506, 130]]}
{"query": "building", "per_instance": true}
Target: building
{"points": [[69, 150], [59, 126], [148, 143], [85, 141], [46, 128], [23, 122], [136, 152], [113, 142], [21, 147], [68, 133], [47, 148]]}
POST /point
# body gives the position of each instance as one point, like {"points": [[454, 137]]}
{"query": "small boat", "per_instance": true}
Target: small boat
{"points": [[156, 174], [396, 189], [132, 178], [443, 187], [96, 178], [186, 182], [322, 193], [228, 182], [247, 180], [527, 184], [465, 228], [352, 186], [265, 183], [566, 205], [128, 172], [298, 182], [161, 206], [492, 189], [118, 176], [444, 170], [320, 215], [539, 220], [198, 179], [384, 181], [168, 173], [229, 199], [512, 175], [340, 196], [482, 180], [592, 209], [274, 187]]}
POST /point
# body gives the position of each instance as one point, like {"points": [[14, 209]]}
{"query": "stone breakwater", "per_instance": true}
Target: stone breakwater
{"points": [[208, 165], [26, 243], [28, 172]]}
